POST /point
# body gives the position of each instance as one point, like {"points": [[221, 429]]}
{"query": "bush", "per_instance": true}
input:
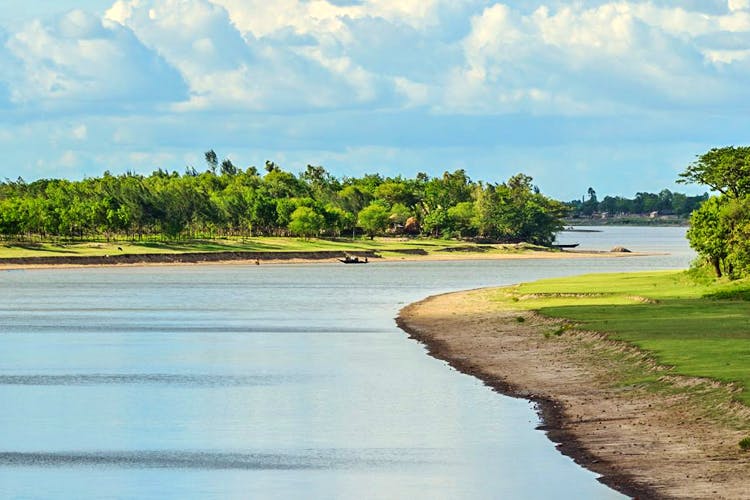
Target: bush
{"points": [[745, 444]]}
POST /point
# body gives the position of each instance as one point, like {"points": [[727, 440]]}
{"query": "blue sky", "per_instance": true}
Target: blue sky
{"points": [[617, 95]]}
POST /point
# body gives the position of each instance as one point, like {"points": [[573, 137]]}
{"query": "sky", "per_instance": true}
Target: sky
{"points": [[616, 95]]}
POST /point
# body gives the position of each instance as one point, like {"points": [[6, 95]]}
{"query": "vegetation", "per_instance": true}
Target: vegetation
{"points": [[665, 202], [720, 228], [225, 201], [696, 325]]}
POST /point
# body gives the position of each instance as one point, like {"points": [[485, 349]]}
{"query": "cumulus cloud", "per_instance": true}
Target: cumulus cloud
{"points": [[77, 59], [735, 5], [613, 58], [227, 66], [306, 75], [451, 56]]}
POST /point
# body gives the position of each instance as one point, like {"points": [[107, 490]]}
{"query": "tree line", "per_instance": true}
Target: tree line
{"points": [[665, 202], [225, 200]]}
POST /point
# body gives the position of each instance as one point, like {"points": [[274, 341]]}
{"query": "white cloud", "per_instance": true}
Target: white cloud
{"points": [[80, 132], [68, 159], [229, 69], [588, 60], [323, 18], [78, 59], [735, 5]]}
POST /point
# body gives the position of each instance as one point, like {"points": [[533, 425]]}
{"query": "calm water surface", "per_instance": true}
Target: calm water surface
{"points": [[268, 382]]}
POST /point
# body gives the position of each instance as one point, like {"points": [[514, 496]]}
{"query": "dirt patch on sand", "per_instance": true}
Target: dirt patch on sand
{"points": [[644, 444]]}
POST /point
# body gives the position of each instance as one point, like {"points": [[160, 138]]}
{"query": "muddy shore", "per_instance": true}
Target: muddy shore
{"points": [[643, 444]]}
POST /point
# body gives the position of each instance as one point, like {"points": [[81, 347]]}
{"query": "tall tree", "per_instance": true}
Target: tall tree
{"points": [[211, 160]]}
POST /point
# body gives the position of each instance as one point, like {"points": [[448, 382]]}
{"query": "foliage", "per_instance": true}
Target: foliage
{"points": [[726, 170], [665, 203], [515, 212], [225, 201], [720, 229], [708, 233], [373, 219], [304, 221]]}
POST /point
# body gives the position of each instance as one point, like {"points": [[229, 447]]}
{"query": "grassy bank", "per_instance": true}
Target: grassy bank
{"points": [[699, 329], [387, 247]]}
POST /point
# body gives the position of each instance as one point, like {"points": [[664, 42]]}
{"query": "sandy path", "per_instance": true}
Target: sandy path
{"points": [[644, 445]]}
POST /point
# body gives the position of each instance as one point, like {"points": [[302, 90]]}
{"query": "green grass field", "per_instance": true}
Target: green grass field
{"points": [[699, 328], [385, 246]]}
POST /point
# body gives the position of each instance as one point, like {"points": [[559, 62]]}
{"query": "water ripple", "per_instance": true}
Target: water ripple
{"points": [[152, 379], [185, 329], [312, 459]]}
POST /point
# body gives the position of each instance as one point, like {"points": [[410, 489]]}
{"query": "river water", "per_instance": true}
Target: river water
{"points": [[287, 381]]}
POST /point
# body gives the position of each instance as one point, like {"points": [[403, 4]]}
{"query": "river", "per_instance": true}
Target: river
{"points": [[284, 381]]}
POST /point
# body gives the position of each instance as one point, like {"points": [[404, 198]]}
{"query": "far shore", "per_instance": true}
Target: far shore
{"points": [[643, 444], [275, 258]]}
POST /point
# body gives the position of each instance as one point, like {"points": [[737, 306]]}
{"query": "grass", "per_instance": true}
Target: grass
{"points": [[700, 329], [387, 247]]}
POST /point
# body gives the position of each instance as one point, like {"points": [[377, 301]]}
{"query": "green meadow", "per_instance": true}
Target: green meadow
{"points": [[697, 327]]}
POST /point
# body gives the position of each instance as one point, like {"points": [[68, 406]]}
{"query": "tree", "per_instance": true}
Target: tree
{"points": [[736, 218], [228, 168], [436, 222], [515, 212], [726, 170], [353, 199], [708, 233], [396, 192], [212, 160], [263, 213], [461, 219], [338, 220], [306, 222], [373, 219]]}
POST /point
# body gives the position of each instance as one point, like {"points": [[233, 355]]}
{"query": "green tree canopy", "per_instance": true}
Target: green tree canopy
{"points": [[373, 219], [726, 170], [306, 222]]}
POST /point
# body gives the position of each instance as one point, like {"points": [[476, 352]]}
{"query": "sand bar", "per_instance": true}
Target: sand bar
{"points": [[311, 257], [645, 445]]}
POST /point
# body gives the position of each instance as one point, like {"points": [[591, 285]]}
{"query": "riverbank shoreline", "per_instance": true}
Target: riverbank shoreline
{"points": [[312, 257], [642, 444]]}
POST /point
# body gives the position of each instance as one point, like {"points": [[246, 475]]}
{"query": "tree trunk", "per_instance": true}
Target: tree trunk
{"points": [[717, 266]]}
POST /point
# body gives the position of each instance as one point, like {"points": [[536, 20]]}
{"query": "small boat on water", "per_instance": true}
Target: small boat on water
{"points": [[571, 245], [353, 260]]}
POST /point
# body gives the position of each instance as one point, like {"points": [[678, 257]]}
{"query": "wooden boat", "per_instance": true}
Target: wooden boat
{"points": [[353, 260], [572, 245]]}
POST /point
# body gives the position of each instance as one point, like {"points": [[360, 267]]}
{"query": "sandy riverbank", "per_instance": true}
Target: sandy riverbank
{"points": [[267, 258], [643, 444]]}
